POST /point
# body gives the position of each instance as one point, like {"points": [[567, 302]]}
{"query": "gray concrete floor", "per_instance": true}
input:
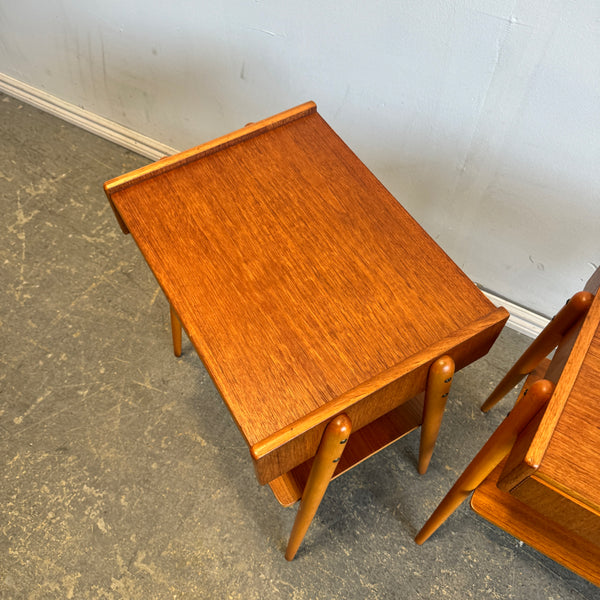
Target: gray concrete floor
{"points": [[123, 475]]}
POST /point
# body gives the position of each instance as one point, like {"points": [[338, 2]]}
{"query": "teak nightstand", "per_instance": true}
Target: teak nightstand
{"points": [[330, 322], [538, 475]]}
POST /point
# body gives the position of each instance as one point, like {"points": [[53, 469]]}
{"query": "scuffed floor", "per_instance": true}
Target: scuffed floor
{"points": [[123, 476]]}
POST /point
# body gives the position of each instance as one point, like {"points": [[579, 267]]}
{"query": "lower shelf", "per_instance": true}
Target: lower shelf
{"points": [[362, 443], [522, 521]]}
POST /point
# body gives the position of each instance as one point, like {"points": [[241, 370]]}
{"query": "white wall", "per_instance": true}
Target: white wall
{"points": [[482, 117]]}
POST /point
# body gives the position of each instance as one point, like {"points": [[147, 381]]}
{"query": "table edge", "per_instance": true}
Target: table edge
{"points": [[187, 156]]}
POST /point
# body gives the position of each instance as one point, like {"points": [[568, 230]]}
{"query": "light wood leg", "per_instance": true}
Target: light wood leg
{"points": [[545, 342], [490, 456], [330, 450], [175, 332], [439, 381]]}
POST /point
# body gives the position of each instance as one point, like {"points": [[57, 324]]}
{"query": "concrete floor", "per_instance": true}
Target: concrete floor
{"points": [[123, 475]]}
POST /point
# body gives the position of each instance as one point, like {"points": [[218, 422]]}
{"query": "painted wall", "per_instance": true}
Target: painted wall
{"points": [[481, 117]]}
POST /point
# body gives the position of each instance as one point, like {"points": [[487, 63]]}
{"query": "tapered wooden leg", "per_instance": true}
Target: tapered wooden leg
{"points": [[545, 342], [490, 456], [175, 332], [330, 450], [439, 381]]}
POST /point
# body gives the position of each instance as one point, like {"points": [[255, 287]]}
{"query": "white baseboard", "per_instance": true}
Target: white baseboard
{"points": [[86, 120], [521, 319]]}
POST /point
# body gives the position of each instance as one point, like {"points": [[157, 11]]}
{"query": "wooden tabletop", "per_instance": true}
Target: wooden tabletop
{"points": [[296, 275]]}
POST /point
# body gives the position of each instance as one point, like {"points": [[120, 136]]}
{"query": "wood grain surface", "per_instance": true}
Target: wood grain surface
{"points": [[298, 277]]}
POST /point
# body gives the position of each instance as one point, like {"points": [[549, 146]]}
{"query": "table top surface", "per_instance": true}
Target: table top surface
{"points": [[296, 275]]}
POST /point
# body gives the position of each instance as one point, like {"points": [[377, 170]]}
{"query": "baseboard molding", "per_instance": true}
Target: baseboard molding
{"points": [[521, 319], [89, 121]]}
